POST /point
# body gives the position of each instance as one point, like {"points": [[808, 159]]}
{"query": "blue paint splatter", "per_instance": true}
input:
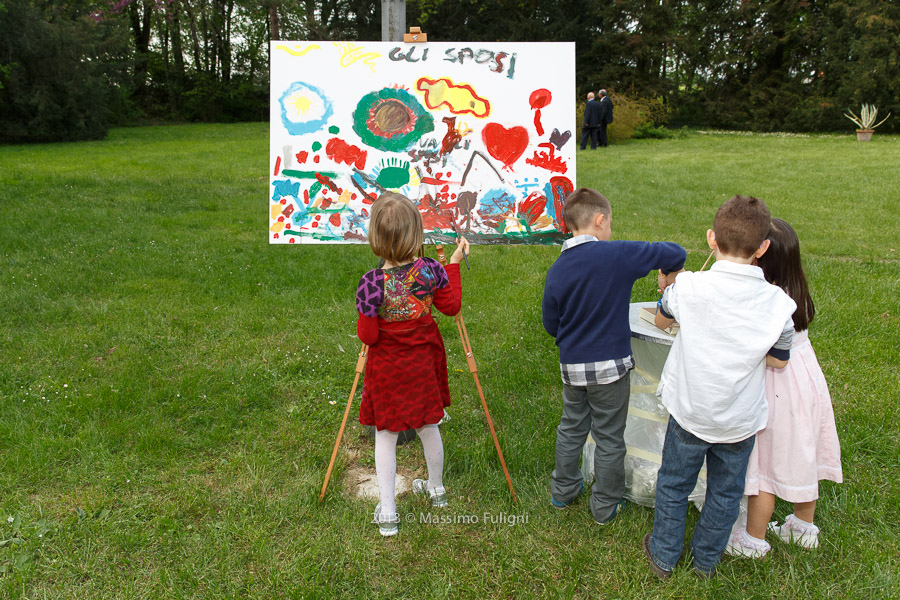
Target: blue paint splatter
{"points": [[301, 216], [285, 187], [496, 203], [551, 205], [315, 95], [356, 222]]}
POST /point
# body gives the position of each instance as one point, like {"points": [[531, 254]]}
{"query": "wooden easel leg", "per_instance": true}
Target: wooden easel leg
{"points": [[360, 366]]}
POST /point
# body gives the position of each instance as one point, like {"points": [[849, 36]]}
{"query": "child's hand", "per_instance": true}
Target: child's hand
{"points": [[458, 255]]}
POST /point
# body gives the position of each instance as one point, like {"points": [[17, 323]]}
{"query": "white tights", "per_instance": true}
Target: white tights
{"points": [[386, 462]]}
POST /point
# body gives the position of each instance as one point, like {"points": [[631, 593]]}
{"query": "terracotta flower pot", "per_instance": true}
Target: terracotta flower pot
{"points": [[864, 135]]}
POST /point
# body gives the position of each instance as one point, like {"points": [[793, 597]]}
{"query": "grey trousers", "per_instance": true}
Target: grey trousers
{"points": [[600, 410]]}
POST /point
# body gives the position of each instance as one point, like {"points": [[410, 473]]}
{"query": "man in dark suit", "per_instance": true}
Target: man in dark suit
{"points": [[591, 126], [605, 117]]}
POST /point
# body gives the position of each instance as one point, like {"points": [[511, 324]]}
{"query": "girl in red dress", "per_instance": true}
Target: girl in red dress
{"points": [[405, 385]]}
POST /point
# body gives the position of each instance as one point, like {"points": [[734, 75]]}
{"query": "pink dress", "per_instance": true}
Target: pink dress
{"points": [[799, 445]]}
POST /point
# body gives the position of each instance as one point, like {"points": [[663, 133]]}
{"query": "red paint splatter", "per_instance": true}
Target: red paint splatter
{"points": [[506, 145], [287, 225], [305, 196], [325, 203], [316, 158], [283, 201], [364, 212], [281, 218], [275, 237], [315, 224], [561, 188], [353, 196], [436, 214], [324, 180], [369, 199], [548, 160], [277, 165], [335, 219], [533, 207], [291, 241], [341, 152], [288, 210], [538, 100], [302, 156]]}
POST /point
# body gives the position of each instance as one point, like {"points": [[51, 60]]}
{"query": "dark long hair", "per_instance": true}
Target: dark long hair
{"points": [[781, 265]]}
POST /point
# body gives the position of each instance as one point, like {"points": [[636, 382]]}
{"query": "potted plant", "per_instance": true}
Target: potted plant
{"points": [[865, 121]]}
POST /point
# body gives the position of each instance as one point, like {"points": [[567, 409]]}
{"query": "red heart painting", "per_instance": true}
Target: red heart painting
{"points": [[506, 145]]}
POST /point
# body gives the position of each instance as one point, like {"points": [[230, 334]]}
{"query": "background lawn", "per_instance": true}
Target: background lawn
{"points": [[171, 385]]}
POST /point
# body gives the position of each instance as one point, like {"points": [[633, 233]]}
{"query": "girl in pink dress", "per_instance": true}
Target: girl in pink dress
{"points": [[799, 446]]}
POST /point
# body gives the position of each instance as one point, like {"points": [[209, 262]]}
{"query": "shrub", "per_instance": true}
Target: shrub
{"points": [[646, 131], [630, 112]]}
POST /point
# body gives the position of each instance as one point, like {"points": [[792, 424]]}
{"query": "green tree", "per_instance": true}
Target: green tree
{"points": [[55, 84]]}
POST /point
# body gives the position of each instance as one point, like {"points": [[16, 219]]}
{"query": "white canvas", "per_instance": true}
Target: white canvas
{"points": [[479, 135]]}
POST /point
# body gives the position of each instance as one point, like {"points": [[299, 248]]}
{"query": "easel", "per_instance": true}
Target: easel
{"points": [[416, 36], [473, 368]]}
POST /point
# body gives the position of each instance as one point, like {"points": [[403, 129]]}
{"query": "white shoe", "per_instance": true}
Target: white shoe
{"points": [[805, 535], [438, 495], [388, 525], [744, 545]]}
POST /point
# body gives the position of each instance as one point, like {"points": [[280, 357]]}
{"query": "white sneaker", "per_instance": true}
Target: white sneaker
{"points": [[744, 545], [805, 535], [438, 495], [388, 525]]}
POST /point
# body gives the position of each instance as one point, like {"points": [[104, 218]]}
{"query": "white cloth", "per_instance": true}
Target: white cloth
{"points": [[713, 382]]}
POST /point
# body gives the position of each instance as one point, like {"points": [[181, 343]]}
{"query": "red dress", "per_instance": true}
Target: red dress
{"points": [[405, 384]]}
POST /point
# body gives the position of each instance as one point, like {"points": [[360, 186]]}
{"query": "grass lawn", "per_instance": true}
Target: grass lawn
{"points": [[171, 385]]}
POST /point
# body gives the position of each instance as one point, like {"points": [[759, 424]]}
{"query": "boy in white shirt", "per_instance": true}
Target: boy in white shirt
{"points": [[733, 325]]}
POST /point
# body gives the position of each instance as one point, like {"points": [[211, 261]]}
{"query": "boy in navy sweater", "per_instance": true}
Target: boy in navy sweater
{"points": [[585, 308]]}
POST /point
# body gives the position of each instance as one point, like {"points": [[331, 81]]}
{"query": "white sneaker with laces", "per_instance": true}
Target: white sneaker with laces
{"points": [[795, 531], [438, 495], [744, 545], [388, 525]]}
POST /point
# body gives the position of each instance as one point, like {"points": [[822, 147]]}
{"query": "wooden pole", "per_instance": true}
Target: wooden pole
{"points": [[360, 366], [708, 258]]}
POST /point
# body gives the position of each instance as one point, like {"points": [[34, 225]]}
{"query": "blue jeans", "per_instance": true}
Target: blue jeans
{"points": [[726, 468]]}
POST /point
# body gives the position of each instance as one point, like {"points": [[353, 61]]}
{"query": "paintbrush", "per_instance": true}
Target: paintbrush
{"points": [[458, 238]]}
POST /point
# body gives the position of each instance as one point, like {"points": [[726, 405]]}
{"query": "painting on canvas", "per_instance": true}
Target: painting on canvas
{"points": [[479, 136]]}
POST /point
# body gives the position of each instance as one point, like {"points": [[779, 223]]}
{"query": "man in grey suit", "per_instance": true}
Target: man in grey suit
{"points": [[605, 117], [591, 126]]}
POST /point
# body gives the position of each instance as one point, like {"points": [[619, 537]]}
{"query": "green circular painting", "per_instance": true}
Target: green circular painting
{"points": [[391, 119]]}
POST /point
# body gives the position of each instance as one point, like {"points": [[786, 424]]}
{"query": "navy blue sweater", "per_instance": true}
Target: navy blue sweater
{"points": [[588, 290]]}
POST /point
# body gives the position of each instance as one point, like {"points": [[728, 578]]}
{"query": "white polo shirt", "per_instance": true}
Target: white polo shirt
{"points": [[714, 380]]}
